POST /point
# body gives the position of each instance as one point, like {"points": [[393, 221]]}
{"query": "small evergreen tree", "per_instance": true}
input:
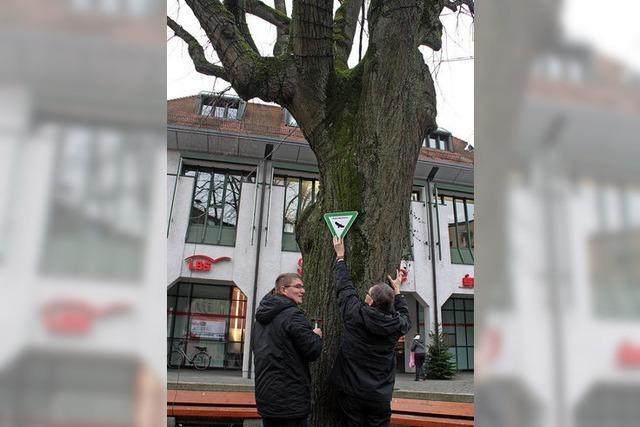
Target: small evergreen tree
{"points": [[439, 364]]}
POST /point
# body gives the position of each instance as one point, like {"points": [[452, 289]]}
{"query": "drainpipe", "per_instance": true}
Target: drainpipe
{"points": [[267, 156], [432, 246], [173, 196]]}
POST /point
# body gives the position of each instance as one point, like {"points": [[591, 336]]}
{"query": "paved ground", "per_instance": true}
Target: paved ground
{"points": [[459, 389]]}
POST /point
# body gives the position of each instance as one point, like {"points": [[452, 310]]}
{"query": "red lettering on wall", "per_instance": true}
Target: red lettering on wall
{"points": [[203, 262], [73, 316], [628, 355], [467, 281]]}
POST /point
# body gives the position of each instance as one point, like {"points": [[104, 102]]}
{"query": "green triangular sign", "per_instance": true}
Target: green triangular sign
{"points": [[340, 222]]}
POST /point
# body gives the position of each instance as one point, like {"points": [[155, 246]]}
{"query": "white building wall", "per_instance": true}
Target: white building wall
{"points": [[240, 271]]}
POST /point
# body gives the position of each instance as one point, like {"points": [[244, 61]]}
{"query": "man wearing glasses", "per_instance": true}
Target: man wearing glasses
{"points": [[364, 372], [284, 343]]}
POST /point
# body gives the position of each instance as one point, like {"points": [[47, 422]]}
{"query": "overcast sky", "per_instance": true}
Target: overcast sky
{"points": [[452, 67], [591, 22]]}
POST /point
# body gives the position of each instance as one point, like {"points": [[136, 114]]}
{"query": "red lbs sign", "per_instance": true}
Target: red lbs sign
{"points": [[628, 355], [75, 316], [203, 262], [467, 281]]}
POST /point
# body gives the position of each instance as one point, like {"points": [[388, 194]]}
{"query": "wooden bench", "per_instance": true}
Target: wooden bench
{"points": [[431, 413], [234, 404]]}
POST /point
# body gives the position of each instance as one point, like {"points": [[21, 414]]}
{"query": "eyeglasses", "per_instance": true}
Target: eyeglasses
{"points": [[294, 286]]}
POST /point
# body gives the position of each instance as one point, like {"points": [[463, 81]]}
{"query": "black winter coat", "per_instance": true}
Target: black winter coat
{"points": [[366, 362], [284, 343]]}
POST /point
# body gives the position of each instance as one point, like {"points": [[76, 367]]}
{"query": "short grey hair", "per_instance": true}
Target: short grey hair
{"points": [[285, 279], [383, 296]]}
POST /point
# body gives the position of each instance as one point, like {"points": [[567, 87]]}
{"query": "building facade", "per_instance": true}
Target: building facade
{"points": [[239, 174]]}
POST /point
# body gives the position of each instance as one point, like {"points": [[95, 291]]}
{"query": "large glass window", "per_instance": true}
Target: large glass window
{"points": [[215, 204], [613, 244], [209, 316], [299, 194], [99, 203], [457, 325], [461, 224]]}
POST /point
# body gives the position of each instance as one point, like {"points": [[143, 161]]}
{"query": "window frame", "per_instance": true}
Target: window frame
{"points": [[214, 100], [457, 253], [222, 203], [441, 141], [289, 243]]}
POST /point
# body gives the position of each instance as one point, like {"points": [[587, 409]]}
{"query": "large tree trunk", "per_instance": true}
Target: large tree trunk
{"points": [[367, 147]]}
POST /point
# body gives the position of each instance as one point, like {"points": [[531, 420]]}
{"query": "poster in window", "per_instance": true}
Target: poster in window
{"points": [[208, 329]]}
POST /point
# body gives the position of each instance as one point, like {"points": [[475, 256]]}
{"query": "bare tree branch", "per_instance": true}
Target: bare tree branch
{"points": [[282, 41], [196, 52], [251, 75], [344, 29], [431, 25], [235, 53], [237, 8], [453, 5], [267, 13]]}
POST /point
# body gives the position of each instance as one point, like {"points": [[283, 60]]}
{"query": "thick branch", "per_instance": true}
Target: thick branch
{"points": [[236, 55], [431, 25], [344, 29], [237, 8], [282, 41], [312, 39], [455, 4], [250, 75], [269, 14], [196, 52]]}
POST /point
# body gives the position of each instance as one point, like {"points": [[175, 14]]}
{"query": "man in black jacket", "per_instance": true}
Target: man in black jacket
{"points": [[364, 371], [284, 343]]}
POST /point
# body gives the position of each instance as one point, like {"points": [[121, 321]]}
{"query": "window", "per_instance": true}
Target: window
{"points": [[299, 194], [221, 106], [457, 325], [289, 120], [612, 246], [210, 316], [215, 203], [136, 8], [438, 141], [99, 203], [460, 217]]}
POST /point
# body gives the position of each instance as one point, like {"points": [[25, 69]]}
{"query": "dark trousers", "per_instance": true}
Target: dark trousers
{"points": [[282, 422], [356, 412], [420, 366]]}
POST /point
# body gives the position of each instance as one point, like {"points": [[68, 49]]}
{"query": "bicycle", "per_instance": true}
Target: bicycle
{"points": [[200, 360]]}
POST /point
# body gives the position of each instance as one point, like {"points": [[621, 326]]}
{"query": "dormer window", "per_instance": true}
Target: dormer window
{"points": [[221, 106], [438, 140], [289, 120]]}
